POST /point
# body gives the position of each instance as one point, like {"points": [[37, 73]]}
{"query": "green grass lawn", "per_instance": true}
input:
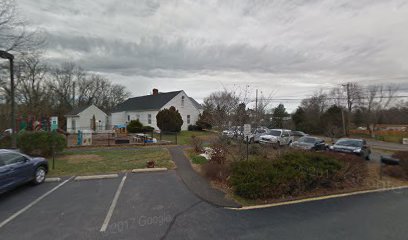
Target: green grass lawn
{"points": [[184, 137], [99, 161]]}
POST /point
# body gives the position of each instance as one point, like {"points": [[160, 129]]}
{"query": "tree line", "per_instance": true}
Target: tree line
{"points": [[351, 105], [54, 90], [45, 89], [332, 112]]}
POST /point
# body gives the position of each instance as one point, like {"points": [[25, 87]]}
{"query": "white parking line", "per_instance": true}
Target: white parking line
{"points": [[94, 177], [32, 204], [113, 205]]}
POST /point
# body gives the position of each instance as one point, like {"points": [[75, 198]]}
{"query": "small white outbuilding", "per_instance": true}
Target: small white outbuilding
{"points": [[86, 118]]}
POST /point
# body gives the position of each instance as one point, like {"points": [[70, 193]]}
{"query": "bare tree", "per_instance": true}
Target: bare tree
{"points": [[14, 35], [95, 89], [32, 91], [377, 98], [349, 96], [263, 105], [222, 106]]}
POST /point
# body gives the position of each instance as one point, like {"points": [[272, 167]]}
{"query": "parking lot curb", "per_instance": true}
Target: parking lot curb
{"points": [[143, 170], [55, 179], [95, 177], [316, 198]]}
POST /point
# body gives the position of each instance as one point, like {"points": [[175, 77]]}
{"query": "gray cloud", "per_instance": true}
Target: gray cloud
{"points": [[202, 45]]}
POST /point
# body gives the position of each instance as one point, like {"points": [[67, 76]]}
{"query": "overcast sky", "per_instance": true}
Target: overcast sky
{"points": [[287, 48]]}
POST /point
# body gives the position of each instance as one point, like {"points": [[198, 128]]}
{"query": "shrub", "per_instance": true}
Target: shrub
{"points": [[204, 120], [216, 172], [255, 149], [353, 172], [395, 172], [194, 128], [403, 159], [197, 144], [290, 174], [134, 126], [169, 120], [199, 159], [147, 129], [5, 141], [218, 154], [40, 143]]}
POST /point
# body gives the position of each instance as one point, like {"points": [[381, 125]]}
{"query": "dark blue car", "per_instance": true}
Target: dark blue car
{"points": [[17, 168]]}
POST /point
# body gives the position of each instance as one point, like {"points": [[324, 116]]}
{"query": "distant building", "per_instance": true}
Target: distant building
{"points": [[145, 108], [86, 118]]}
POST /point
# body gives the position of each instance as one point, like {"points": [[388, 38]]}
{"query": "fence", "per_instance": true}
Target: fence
{"points": [[114, 138]]}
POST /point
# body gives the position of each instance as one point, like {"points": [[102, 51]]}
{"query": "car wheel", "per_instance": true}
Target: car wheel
{"points": [[39, 175]]}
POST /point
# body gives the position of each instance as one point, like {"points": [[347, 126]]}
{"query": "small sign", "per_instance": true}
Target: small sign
{"points": [[247, 129], [405, 141], [54, 123]]}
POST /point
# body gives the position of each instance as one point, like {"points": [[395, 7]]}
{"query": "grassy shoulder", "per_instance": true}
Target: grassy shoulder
{"points": [[184, 138], [196, 161], [272, 176], [392, 137], [109, 160]]}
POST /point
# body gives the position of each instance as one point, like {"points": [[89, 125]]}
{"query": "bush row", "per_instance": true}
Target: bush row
{"points": [[399, 171], [194, 128], [40, 143], [135, 126], [294, 173]]}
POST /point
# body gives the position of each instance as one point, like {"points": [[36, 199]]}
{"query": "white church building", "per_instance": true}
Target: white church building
{"points": [[145, 108]]}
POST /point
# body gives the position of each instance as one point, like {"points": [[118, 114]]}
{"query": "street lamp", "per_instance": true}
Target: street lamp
{"points": [[10, 57]]}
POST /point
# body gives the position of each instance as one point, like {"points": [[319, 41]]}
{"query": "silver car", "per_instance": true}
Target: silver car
{"points": [[255, 136], [277, 137]]}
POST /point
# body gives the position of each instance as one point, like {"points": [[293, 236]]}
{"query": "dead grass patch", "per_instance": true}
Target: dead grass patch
{"points": [[80, 158]]}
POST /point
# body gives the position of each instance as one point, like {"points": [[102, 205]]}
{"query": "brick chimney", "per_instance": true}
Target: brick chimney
{"points": [[155, 91]]}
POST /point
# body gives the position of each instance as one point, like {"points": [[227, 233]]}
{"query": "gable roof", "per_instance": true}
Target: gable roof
{"points": [[148, 102], [195, 103], [77, 110]]}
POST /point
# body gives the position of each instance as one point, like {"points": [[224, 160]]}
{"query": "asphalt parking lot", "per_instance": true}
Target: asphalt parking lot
{"points": [[79, 209], [159, 206]]}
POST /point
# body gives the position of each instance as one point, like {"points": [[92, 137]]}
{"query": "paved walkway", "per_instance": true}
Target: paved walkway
{"points": [[196, 183]]}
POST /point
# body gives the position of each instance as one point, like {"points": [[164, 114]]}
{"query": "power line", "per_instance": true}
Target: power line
{"points": [[329, 98]]}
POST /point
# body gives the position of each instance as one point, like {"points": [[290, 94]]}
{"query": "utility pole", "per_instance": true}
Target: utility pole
{"points": [[10, 57], [256, 109], [13, 105], [344, 123], [349, 105]]}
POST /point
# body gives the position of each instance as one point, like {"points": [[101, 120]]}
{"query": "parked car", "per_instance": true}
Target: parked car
{"points": [[298, 133], [277, 137], [309, 143], [233, 132], [354, 146], [255, 136], [17, 168]]}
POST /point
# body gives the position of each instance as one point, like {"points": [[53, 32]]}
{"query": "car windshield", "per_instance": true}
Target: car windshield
{"points": [[275, 133], [349, 143], [307, 140]]}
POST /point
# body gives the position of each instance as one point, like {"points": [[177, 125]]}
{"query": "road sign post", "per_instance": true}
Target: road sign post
{"points": [[247, 132]]}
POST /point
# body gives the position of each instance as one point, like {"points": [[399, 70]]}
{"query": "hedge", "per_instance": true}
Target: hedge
{"points": [[40, 143], [199, 159], [134, 126], [290, 174], [194, 128]]}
